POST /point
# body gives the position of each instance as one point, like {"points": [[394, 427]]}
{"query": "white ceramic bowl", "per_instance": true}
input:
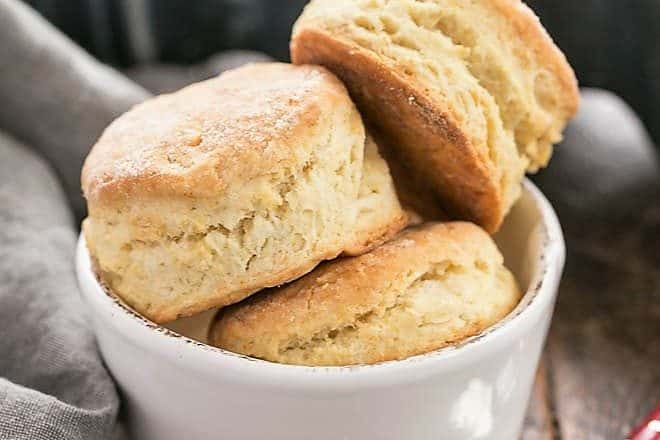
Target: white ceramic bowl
{"points": [[178, 388]]}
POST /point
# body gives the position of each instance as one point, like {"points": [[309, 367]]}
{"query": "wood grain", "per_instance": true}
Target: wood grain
{"points": [[601, 374], [604, 344]]}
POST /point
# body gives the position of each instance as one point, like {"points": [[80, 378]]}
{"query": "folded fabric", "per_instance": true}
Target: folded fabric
{"points": [[54, 385]]}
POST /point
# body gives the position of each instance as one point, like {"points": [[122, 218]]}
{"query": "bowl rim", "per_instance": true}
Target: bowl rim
{"points": [[202, 358]]}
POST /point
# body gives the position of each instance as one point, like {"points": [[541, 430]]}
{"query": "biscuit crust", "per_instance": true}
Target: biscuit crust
{"points": [[201, 139], [432, 286]]}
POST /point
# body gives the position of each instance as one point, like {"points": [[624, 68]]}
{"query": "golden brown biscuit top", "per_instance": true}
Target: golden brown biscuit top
{"points": [[195, 141], [351, 286]]}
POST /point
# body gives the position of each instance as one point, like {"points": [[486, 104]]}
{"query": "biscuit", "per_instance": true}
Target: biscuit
{"points": [[471, 94], [380, 215], [200, 198], [414, 194], [430, 287]]}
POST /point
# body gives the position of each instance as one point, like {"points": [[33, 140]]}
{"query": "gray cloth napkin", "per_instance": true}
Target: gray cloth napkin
{"points": [[52, 384], [57, 100]]}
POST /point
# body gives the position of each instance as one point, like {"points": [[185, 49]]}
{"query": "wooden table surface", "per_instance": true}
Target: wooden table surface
{"points": [[600, 372]]}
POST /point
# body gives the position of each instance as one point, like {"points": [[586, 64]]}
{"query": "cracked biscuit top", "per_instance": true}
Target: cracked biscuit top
{"points": [[200, 198], [197, 141], [432, 286]]}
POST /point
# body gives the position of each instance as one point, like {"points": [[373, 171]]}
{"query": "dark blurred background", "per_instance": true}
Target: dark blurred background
{"points": [[612, 44]]}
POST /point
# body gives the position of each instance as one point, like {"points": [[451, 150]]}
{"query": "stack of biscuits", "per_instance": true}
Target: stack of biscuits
{"points": [[336, 210]]}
